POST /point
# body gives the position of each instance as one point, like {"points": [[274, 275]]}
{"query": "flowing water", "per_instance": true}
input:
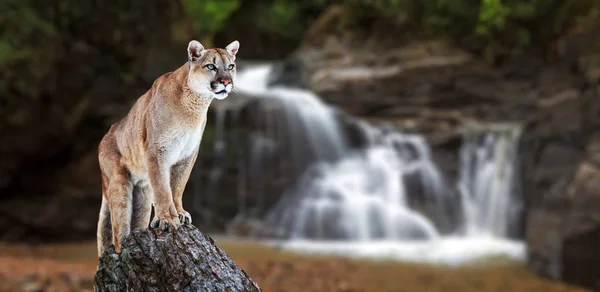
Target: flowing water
{"points": [[488, 183], [382, 197]]}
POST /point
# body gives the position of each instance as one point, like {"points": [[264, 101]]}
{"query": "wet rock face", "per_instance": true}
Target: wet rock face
{"points": [[581, 233], [564, 228], [561, 172], [289, 73]]}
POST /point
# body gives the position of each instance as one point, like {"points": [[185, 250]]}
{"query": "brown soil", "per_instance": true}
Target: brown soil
{"points": [[70, 267]]}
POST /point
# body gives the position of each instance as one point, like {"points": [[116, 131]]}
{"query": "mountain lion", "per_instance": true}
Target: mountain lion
{"points": [[147, 157]]}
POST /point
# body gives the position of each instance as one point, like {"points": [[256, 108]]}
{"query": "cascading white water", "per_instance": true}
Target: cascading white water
{"points": [[296, 118], [346, 199], [362, 196], [311, 127], [487, 177]]}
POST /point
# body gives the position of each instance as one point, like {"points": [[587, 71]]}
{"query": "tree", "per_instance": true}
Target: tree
{"points": [[183, 260]]}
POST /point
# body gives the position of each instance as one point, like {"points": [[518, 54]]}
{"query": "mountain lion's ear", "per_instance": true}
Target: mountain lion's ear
{"points": [[195, 50], [233, 48]]}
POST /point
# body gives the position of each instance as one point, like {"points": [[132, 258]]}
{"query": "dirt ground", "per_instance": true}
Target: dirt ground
{"points": [[71, 267]]}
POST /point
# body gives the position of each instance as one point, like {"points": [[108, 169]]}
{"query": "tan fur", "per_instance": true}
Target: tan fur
{"points": [[147, 157]]}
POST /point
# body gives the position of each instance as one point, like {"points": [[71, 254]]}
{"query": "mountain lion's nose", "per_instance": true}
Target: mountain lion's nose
{"points": [[225, 81]]}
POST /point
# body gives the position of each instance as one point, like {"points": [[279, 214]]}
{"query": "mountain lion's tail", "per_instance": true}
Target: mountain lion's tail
{"points": [[104, 233]]}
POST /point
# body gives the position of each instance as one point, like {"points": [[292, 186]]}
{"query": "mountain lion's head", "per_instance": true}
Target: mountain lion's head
{"points": [[212, 71]]}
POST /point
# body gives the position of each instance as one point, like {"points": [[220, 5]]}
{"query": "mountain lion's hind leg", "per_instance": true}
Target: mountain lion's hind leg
{"points": [[180, 174], [142, 206]]}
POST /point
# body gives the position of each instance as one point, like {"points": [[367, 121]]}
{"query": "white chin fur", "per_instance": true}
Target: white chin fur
{"points": [[222, 87], [220, 95]]}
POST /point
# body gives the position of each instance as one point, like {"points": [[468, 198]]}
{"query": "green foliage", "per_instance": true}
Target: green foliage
{"points": [[502, 25], [396, 11], [42, 43], [22, 32], [208, 16], [17, 25], [284, 18], [287, 18], [492, 15], [279, 17]]}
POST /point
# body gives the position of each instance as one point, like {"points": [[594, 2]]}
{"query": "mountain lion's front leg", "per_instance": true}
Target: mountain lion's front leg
{"points": [[180, 174], [165, 214]]}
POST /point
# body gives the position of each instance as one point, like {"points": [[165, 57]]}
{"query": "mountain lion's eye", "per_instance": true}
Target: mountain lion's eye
{"points": [[211, 67], [231, 66]]}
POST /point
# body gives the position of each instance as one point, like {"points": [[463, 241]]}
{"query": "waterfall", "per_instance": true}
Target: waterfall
{"points": [[486, 182], [385, 192], [362, 196]]}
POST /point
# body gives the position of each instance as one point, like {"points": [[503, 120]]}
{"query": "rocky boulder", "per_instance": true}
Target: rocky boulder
{"points": [[564, 230], [563, 183]]}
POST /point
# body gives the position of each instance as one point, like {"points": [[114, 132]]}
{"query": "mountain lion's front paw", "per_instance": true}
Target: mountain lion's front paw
{"points": [[165, 224], [184, 217]]}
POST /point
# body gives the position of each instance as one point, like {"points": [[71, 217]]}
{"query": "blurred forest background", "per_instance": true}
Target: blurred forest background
{"points": [[71, 68]]}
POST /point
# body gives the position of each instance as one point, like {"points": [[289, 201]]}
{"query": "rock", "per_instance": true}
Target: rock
{"points": [[184, 260], [289, 73], [326, 25], [563, 200], [581, 231], [425, 84], [560, 174], [564, 232]]}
